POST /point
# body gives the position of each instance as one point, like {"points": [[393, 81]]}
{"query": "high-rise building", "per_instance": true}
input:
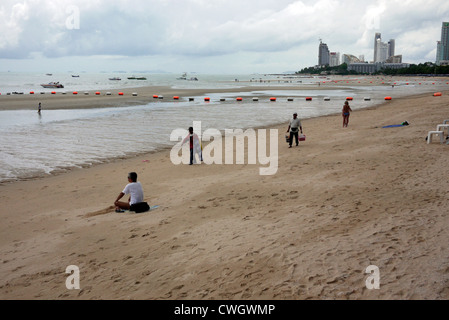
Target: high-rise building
{"points": [[334, 59], [383, 51], [323, 55], [443, 45], [377, 38], [391, 47]]}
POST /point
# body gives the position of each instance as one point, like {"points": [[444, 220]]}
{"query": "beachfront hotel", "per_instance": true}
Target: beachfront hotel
{"points": [[323, 54], [443, 46]]}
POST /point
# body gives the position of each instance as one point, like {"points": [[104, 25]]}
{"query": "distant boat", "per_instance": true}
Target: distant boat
{"points": [[75, 76], [49, 74], [183, 77], [115, 79], [52, 85], [136, 78]]}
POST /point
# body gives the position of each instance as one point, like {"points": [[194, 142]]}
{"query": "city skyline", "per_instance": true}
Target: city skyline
{"points": [[262, 36], [383, 52]]}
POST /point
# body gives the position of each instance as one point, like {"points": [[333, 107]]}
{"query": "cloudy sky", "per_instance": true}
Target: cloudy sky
{"points": [[208, 36]]}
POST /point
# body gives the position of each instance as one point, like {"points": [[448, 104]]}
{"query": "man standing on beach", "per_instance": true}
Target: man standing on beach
{"points": [[39, 108], [134, 189], [195, 146], [293, 128]]}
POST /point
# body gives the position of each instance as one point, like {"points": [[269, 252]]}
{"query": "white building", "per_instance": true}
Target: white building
{"points": [[334, 59]]}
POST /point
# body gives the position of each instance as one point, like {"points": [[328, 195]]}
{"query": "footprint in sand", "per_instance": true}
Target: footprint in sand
{"points": [[100, 212]]}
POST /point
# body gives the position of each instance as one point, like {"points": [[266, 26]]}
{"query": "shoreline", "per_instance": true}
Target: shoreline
{"points": [[68, 169], [145, 93]]}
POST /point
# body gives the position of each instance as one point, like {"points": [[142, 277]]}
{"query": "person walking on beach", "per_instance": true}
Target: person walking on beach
{"points": [[293, 128], [195, 146], [39, 109], [345, 113], [134, 189]]}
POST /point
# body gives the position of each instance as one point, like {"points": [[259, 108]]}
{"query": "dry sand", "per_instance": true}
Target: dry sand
{"points": [[344, 200]]}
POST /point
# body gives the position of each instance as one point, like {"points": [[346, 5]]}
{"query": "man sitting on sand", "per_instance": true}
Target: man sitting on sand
{"points": [[134, 189]]}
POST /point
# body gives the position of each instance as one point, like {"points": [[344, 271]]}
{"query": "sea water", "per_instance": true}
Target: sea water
{"points": [[35, 145]]}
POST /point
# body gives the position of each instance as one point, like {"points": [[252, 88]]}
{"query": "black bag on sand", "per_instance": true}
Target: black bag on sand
{"points": [[140, 207]]}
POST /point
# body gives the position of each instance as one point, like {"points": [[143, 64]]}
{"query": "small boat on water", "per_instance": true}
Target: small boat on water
{"points": [[184, 77], [52, 85], [136, 78], [115, 79], [75, 76]]}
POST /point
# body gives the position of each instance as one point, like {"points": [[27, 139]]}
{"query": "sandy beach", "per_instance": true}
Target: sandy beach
{"points": [[345, 199]]}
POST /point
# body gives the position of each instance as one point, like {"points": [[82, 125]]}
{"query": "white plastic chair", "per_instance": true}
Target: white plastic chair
{"points": [[431, 133]]}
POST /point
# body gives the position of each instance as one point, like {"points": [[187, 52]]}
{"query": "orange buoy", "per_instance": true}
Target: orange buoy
{"points": [[437, 94], [349, 99], [120, 93], [272, 99], [74, 92], [97, 93], [176, 98], [31, 92], [309, 99], [53, 92], [387, 98], [207, 99], [239, 99], [155, 96]]}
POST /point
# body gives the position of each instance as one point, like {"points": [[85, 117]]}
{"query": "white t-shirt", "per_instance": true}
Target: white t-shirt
{"points": [[135, 190]]}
